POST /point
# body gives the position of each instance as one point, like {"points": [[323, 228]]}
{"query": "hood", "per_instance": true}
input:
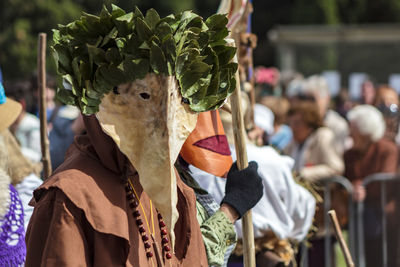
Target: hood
{"points": [[103, 146]]}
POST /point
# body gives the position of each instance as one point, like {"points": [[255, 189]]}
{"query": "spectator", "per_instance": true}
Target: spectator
{"points": [[387, 101], [51, 105], [263, 125], [367, 92], [313, 146], [267, 82], [343, 102], [24, 174], [67, 123], [27, 126], [282, 134], [371, 154], [317, 87], [12, 244]]}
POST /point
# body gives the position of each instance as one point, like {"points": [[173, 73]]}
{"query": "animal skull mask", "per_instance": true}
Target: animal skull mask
{"points": [[149, 122]]}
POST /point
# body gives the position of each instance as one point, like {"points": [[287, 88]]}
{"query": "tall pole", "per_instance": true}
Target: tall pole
{"points": [[234, 8], [339, 237], [239, 133], [44, 141]]}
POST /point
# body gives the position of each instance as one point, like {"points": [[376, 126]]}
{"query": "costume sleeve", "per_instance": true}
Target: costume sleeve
{"points": [[218, 234], [55, 236]]}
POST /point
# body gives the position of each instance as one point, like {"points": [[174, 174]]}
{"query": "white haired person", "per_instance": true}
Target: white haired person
{"points": [[371, 153], [12, 234]]}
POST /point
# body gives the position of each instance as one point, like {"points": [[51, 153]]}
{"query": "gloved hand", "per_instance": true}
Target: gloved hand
{"points": [[243, 188]]}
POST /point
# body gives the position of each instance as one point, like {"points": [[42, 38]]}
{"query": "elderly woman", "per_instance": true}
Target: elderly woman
{"points": [[313, 144], [371, 153]]}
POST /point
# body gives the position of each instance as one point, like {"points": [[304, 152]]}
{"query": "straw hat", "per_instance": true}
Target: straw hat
{"points": [[9, 110]]}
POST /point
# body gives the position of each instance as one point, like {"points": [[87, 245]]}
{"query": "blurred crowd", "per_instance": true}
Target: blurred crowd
{"points": [[336, 137], [297, 134]]}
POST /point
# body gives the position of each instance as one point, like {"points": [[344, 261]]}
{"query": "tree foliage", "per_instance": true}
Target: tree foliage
{"points": [[21, 21]]}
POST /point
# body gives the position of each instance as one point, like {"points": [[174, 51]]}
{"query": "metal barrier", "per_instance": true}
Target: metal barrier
{"points": [[327, 206], [356, 234], [383, 179], [326, 184]]}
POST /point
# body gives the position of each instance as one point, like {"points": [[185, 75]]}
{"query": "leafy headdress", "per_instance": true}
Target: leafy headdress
{"points": [[145, 78], [96, 53]]}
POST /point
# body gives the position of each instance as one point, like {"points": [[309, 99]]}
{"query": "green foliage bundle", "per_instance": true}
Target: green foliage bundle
{"points": [[96, 53]]}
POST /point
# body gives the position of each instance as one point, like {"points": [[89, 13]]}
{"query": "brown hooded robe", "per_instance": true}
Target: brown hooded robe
{"points": [[82, 217]]}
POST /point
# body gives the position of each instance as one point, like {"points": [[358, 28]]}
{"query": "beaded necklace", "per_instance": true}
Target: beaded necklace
{"points": [[134, 203]]}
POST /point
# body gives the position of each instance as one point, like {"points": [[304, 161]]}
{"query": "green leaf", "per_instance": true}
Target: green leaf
{"points": [[113, 56], [64, 58], [116, 11], [143, 30], [217, 22], [96, 55], [219, 35], [157, 60], [169, 49], [91, 92], [76, 71], [138, 13], [225, 54], [111, 35], [185, 59], [112, 75], [65, 96], [152, 18], [162, 30], [92, 101], [85, 70], [105, 18], [87, 110], [135, 68], [199, 88], [170, 20], [56, 36], [124, 24], [192, 76]]}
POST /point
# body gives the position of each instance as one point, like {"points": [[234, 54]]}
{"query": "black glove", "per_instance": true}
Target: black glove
{"points": [[243, 188]]}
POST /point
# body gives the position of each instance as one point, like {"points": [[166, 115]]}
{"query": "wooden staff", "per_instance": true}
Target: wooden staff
{"points": [[44, 141], [249, 257], [339, 237]]}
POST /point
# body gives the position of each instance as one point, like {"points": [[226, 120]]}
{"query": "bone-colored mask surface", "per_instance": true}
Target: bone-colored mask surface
{"points": [[149, 123]]}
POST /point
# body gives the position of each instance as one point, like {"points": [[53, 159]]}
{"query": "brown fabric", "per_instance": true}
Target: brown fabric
{"points": [[380, 157], [82, 218]]}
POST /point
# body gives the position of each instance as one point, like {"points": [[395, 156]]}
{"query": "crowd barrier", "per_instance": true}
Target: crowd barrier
{"points": [[355, 220]]}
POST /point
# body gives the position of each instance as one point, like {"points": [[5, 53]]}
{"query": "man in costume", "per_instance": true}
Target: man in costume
{"points": [[117, 199], [284, 213]]}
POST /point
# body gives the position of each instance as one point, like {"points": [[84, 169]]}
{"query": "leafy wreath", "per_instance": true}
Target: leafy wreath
{"points": [[96, 53]]}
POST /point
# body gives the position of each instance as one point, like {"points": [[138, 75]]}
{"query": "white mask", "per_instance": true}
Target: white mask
{"points": [[149, 123]]}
